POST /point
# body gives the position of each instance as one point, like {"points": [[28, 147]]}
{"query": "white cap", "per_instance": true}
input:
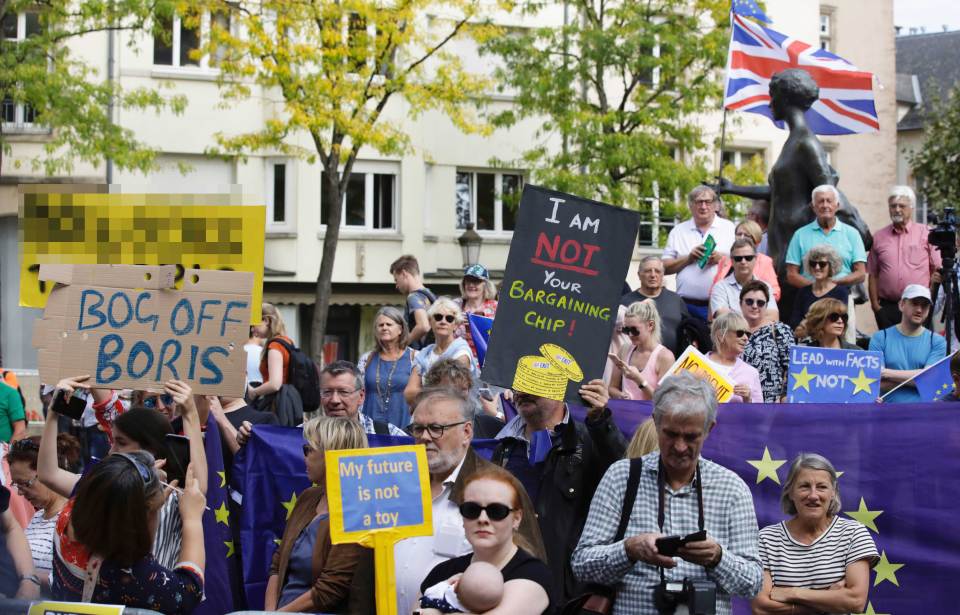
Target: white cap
{"points": [[912, 291]]}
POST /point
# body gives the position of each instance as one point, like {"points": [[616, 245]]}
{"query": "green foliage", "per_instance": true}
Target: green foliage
{"points": [[617, 123], [70, 97], [935, 164], [753, 173]]}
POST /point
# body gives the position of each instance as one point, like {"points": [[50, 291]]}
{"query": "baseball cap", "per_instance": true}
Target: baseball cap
{"points": [[476, 271], [912, 291]]}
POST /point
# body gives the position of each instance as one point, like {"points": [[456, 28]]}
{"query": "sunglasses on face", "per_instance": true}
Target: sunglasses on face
{"points": [[495, 511], [742, 333], [151, 402], [24, 485], [837, 316], [759, 302], [448, 317], [631, 330], [819, 264], [745, 257]]}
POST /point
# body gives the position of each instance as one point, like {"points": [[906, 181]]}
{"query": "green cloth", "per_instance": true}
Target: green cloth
{"points": [[11, 409]]}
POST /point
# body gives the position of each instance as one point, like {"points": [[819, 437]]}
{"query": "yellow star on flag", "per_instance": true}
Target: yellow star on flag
{"points": [[229, 544], [222, 514], [289, 504], [886, 571], [870, 610], [767, 466], [223, 478], [862, 383], [802, 379], [865, 515]]}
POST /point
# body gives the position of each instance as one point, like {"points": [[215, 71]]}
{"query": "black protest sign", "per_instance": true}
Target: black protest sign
{"points": [[558, 304]]}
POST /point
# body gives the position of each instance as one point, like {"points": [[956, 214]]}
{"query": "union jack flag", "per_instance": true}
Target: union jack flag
{"points": [[846, 104]]}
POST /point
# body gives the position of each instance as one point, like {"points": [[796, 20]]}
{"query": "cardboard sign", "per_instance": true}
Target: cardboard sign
{"points": [[818, 375], [203, 231], [562, 284], [126, 327], [695, 362], [49, 607]]}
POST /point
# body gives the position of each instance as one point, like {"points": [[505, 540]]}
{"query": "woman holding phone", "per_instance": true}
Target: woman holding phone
{"points": [[641, 364]]}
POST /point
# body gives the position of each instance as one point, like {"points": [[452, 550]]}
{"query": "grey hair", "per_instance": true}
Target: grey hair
{"points": [[825, 188], [650, 259], [344, 367], [645, 311], [809, 461], [905, 191], [444, 393], [826, 252], [683, 395], [394, 314], [724, 323], [700, 190], [445, 303]]}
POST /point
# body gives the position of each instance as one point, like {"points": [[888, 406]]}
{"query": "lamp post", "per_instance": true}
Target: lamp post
{"points": [[470, 243]]}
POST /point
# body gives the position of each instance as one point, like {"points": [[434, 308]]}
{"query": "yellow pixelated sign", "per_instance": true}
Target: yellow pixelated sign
{"points": [[695, 362], [190, 231]]}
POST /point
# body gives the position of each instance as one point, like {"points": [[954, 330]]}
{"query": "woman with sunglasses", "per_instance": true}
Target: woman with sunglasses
{"points": [[825, 325], [309, 574], [823, 262], [765, 270], [768, 349], [640, 365], [725, 295], [730, 333], [104, 536], [491, 514], [444, 315]]}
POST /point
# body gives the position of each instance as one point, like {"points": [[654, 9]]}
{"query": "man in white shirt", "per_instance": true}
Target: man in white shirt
{"points": [[686, 245]]}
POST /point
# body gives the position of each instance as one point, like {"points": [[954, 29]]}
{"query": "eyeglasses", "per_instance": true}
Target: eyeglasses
{"points": [[151, 402], [435, 429], [699, 202], [819, 264], [742, 333], [495, 511], [759, 302], [328, 393], [24, 485], [835, 316], [745, 257], [631, 330], [448, 317], [147, 475]]}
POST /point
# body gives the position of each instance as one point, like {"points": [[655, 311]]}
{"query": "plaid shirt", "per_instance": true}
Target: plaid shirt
{"points": [[729, 518], [369, 428]]}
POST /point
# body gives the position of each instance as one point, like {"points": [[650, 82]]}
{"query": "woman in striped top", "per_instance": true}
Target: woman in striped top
{"points": [[815, 561]]}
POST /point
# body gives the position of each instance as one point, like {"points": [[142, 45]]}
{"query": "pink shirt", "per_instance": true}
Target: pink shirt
{"points": [[899, 258]]}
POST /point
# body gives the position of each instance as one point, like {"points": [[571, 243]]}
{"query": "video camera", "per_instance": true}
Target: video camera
{"points": [[699, 596], [944, 233]]}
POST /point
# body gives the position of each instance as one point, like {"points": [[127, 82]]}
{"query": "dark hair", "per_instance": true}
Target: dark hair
{"points": [[955, 364], [27, 450], [340, 367], [796, 87], [448, 372], [110, 515], [147, 428], [753, 286], [408, 263]]}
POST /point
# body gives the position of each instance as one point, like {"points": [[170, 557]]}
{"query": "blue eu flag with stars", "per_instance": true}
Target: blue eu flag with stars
{"points": [[749, 8], [935, 382]]}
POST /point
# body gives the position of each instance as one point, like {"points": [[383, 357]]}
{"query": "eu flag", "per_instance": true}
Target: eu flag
{"points": [[219, 573], [480, 327], [935, 382], [749, 8]]}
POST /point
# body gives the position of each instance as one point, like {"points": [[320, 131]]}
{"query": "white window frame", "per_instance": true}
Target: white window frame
{"points": [[19, 124], [368, 169], [740, 154], [205, 65], [498, 174], [826, 30], [288, 224]]}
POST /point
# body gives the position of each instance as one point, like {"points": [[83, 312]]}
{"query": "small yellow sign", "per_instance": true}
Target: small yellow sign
{"points": [[73, 608], [695, 362]]}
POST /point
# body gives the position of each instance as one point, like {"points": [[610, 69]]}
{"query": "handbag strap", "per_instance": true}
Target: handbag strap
{"points": [[633, 482]]}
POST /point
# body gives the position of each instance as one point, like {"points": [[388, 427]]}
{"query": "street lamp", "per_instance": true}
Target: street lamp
{"points": [[470, 243]]}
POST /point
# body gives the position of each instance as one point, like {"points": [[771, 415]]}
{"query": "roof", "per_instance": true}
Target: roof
{"points": [[933, 59]]}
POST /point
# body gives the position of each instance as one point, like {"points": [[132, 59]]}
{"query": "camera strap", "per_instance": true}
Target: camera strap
{"points": [[662, 500]]}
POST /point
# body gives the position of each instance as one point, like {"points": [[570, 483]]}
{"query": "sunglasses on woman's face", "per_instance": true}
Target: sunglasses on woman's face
{"points": [[745, 257], [151, 402], [835, 316], [631, 330], [448, 317], [819, 264], [742, 333], [495, 511], [759, 302]]}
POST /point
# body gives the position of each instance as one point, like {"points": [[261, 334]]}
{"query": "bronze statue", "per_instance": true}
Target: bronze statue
{"points": [[801, 167]]}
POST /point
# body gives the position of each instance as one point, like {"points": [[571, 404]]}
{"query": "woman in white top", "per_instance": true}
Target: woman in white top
{"points": [[815, 561], [444, 317], [254, 348]]}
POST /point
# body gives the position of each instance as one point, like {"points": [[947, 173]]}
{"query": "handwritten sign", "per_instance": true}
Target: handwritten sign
{"points": [[49, 607], [202, 231], [695, 362], [376, 497], [126, 327], [833, 375], [563, 280]]}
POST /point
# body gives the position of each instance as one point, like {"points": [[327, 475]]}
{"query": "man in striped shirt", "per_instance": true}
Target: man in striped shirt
{"points": [[678, 482]]}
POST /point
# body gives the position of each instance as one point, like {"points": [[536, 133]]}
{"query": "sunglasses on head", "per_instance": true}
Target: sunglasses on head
{"points": [[819, 264], [835, 316], [147, 475], [448, 317], [745, 257], [759, 302], [151, 402], [495, 511]]}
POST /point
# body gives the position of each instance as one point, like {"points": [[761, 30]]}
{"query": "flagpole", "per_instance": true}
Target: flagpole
{"points": [[723, 140], [918, 374]]}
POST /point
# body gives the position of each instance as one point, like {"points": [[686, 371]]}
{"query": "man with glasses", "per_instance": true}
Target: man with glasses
{"points": [[908, 348], [670, 306], [342, 393], [443, 423], [900, 255], [560, 462], [725, 296], [687, 244]]}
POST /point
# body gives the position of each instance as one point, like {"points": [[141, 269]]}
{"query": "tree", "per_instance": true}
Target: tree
{"points": [[619, 89], [42, 79], [332, 68], [935, 164]]}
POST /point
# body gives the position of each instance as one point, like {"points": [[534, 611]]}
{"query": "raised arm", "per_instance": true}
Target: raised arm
{"points": [[48, 469], [183, 395]]}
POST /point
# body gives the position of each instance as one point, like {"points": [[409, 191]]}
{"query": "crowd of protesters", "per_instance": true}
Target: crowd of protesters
{"points": [[105, 518]]}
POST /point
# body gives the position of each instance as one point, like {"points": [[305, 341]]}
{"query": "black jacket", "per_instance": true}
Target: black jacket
{"points": [[562, 485]]}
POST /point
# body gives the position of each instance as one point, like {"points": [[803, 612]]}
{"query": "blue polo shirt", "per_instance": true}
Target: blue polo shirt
{"points": [[903, 352], [844, 238]]}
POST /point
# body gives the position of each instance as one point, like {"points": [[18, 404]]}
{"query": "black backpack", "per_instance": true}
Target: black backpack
{"points": [[303, 375]]}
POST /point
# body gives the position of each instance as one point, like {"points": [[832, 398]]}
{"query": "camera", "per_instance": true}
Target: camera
{"points": [[699, 596], [944, 233]]}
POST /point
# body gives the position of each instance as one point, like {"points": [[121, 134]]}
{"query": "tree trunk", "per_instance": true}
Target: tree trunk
{"points": [[333, 196]]}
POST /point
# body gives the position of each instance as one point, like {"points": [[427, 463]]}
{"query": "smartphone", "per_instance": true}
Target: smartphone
{"points": [[72, 407], [669, 545], [709, 246], [178, 458]]}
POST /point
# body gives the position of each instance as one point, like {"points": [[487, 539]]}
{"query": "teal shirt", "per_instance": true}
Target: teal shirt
{"points": [[844, 238], [11, 409]]}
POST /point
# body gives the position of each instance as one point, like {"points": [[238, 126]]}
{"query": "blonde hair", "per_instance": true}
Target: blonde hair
{"points": [[645, 311], [332, 433], [723, 324], [489, 289], [644, 440], [273, 320], [445, 303], [812, 323], [753, 229]]}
